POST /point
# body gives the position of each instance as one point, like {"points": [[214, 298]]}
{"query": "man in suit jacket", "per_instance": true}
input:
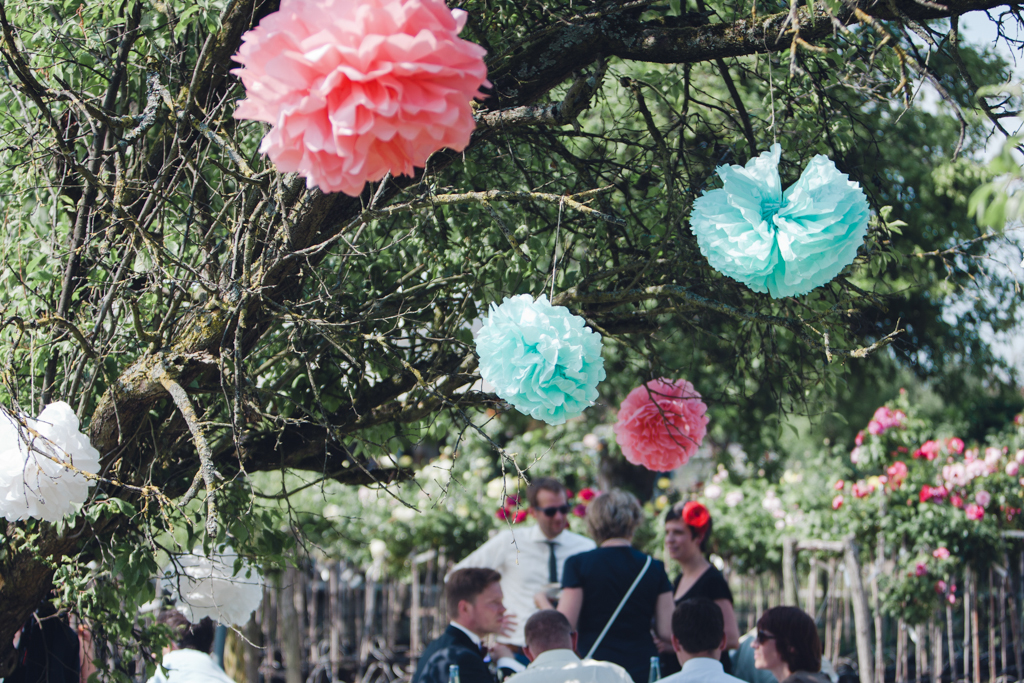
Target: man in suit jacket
{"points": [[474, 600]]}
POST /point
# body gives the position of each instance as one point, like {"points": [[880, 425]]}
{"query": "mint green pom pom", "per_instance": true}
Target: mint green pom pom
{"points": [[540, 358], [788, 243]]}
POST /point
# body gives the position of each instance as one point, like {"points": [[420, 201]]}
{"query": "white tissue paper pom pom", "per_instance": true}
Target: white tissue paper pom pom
{"points": [[34, 481], [205, 586]]}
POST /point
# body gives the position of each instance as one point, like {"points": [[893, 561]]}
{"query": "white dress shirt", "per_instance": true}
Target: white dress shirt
{"points": [[563, 666], [521, 555], [190, 666], [701, 670]]}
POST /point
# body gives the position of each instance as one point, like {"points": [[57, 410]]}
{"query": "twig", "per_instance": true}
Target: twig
{"points": [[184, 405]]}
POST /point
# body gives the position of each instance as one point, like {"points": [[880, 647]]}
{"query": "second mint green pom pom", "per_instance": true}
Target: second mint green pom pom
{"points": [[540, 358], [788, 243]]}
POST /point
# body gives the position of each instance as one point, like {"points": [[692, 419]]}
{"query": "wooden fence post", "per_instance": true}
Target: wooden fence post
{"points": [[812, 589], [289, 623], [334, 616], [789, 580], [861, 614]]}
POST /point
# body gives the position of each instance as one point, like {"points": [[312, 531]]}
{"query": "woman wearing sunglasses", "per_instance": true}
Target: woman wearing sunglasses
{"points": [[612, 593], [787, 644], [687, 531]]}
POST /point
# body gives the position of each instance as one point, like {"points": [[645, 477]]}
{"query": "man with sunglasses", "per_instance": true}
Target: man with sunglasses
{"points": [[530, 558]]}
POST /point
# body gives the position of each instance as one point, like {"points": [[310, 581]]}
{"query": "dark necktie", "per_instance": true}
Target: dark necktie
{"points": [[552, 563]]}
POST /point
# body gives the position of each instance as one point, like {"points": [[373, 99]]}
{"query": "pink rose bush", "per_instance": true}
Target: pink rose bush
{"points": [[356, 89], [886, 419], [974, 512], [661, 424]]}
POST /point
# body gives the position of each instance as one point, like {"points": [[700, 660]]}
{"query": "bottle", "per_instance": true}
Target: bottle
{"points": [[655, 674], [453, 674]]}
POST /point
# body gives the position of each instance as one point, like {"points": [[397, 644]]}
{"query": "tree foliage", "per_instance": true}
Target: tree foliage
{"points": [[210, 318]]}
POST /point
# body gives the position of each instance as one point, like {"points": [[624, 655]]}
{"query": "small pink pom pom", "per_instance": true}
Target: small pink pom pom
{"points": [[354, 89], [661, 424]]}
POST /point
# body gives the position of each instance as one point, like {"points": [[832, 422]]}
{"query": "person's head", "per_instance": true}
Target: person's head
{"points": [[698, 629], [687, 530], [614, 514], [474, 600], [787, 641], [548, 505], [546, 630], [188, 636]]}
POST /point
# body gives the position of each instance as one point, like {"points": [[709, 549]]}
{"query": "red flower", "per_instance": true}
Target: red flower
{"points": [[940, 553], [901, 449], [859, 439], [956, 501], [580, 510], [511, 502], [929, 450], [940, 586], [502, 514], [588, 494], [839, 485], [569, 494], [921, 570], [897, 473], [837, 502], [955, 445], [862, 489], [696, 515], [975, 512], [520, 517]]}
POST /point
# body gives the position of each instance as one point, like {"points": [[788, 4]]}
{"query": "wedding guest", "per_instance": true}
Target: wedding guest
{"points": [[597, 582], [698, 640], [474, 601], [787, 644], [531, 558], [687, 532], [188, 659], [550, 647]]}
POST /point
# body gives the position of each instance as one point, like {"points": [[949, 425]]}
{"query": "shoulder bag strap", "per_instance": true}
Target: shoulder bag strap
{"points": [[619, 608]]}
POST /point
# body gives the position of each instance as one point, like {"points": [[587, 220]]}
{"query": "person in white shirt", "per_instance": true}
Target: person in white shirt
{"points": [[550, 647], [188, 659], [698, 638], [530, 559]]}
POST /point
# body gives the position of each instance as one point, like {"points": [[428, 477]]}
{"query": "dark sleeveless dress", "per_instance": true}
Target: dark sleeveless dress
{"points": [[713, 586]]}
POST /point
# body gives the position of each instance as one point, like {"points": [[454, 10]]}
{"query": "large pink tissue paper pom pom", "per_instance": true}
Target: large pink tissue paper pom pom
{"points": [[661, 424], [354, 89]]}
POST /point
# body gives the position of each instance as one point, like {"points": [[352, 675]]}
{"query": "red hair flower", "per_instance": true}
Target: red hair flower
{"points": [[696, 515]]}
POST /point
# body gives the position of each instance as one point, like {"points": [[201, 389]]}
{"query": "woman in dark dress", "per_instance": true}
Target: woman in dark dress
{"points": [[687, 530], [594, 583]]}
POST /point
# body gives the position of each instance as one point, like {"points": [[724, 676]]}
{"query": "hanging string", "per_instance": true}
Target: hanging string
{"points": [[554, 256], [771, 93]]}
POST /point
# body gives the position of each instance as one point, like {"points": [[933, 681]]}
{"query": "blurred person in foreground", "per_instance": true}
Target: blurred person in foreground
{"points": [[474, 602], [787, 644], [187, 659], [550, 647], [698, 640]]}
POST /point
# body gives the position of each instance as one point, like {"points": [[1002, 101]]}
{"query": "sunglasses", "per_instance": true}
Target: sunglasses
{"points": [[763, 637], [555, 509]]}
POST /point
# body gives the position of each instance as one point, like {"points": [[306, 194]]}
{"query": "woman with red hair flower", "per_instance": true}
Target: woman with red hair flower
{"points": [[687, 530]]}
